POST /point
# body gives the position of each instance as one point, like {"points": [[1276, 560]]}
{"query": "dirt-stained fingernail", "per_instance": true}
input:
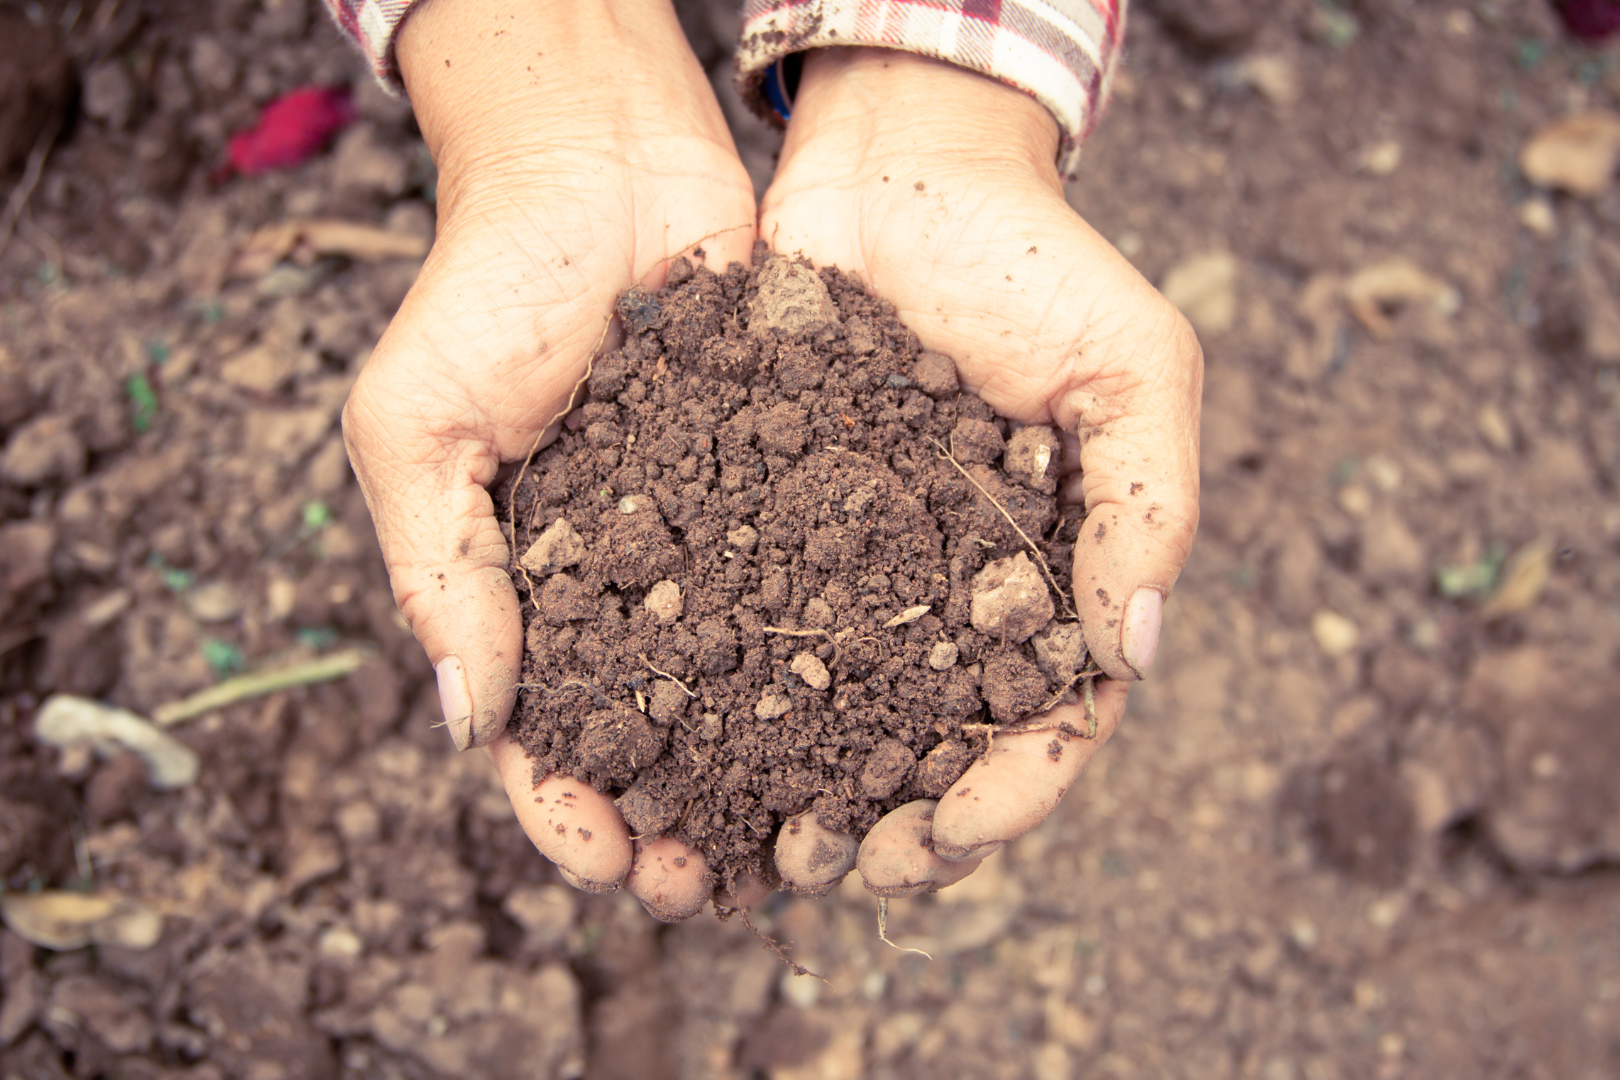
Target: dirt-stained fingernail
{"points": [[1139, 637], [582, 885], [972, 853], [455, 699]]}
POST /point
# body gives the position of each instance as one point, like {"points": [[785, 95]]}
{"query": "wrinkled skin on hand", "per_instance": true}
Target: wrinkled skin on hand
{"points": [[546, 213], [937, 188], [561, 186]]}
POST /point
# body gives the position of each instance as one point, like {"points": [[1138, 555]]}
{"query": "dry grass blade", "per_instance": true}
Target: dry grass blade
{"points": [[32, 170], [1068, 608], [258, 683]]}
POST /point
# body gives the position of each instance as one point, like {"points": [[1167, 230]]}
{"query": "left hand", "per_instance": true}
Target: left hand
{"points": [[937, 187]]}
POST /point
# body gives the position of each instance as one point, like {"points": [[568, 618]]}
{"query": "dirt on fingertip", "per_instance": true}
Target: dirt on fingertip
{"points": [[766, 567]]}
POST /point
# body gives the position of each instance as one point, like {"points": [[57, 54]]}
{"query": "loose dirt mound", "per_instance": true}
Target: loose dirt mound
{"points": [[755, 581]]}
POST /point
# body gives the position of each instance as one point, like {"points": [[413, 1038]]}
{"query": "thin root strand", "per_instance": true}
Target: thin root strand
{"points": [[778, 948], [883, 929], [667, 675], [1040, 559]]}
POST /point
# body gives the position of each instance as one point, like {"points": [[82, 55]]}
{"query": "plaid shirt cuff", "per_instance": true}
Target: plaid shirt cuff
{"points": [[372, 24], [1059, 51]]}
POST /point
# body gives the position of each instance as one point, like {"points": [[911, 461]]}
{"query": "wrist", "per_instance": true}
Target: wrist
{"points": [[497, 83], [881, 107]]}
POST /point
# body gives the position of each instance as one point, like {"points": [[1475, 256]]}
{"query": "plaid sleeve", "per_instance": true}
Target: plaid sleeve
{"points": [[1059, 51], [372, 24]]}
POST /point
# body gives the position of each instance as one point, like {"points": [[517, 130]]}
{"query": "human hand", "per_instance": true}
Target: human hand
{"points": [[580, 150], [936, 186]]}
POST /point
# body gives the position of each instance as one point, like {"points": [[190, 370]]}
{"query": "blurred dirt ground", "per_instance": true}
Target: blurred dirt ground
{"points": [[1362, 822]]}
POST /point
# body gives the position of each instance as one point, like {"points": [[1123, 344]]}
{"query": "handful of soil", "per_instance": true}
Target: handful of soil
{"points": [[768, 566]]}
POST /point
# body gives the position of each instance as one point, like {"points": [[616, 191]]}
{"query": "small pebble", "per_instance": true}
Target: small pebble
{"points": [[743, 538], [773, 704], [943, 655], [808, 666], [214, 602], [1335, 635], [631, 503], [557, 548], [712, 727], [664, 602], [899, 382]]}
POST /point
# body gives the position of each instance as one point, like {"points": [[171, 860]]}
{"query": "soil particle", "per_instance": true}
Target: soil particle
{"points": [[888, 767], [557, 548], [1013, 685], [758, 511], [792, 300], [616, 742], [1033, 454], [43, 450], [663, 602], [935, 375], [1010, 600], [1060, 651], [975, 442], [808, 666], [941, 767]]}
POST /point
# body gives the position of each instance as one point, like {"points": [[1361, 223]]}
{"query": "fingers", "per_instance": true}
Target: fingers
{"points": [[1135, 408], [570, 822], [1015, 786], [671, 880], [897, 858], [423, 473], [811, 858]]}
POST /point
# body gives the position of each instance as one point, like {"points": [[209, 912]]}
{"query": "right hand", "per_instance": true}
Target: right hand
{"points": [[936, 186], [580, 150]]}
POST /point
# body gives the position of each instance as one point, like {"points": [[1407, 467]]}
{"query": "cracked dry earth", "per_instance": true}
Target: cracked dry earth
{"points": [[1360, 822]]}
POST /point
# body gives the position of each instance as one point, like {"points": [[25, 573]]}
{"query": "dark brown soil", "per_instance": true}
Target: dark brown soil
{"points": [[792, 486]]}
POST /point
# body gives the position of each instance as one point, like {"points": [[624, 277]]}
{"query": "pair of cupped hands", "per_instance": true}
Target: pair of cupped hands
{"points": [[580, 151]]}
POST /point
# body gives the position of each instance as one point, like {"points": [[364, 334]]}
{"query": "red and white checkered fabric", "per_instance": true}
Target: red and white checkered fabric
{"points": [[1059, 51]]}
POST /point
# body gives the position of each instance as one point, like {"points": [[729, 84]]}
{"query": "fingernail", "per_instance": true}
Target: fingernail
{"points": [[583, 885], [968, 854], [1139, 640], [455, 700]]}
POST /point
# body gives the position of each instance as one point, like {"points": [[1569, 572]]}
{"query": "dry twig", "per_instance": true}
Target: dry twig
{"points": [[32, 170], [838, 654]]}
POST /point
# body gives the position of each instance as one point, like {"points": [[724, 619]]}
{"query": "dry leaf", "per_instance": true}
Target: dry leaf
{"points": [[911, 614], [1577, 154], [1395, 281], [1524, 578], [303, 240], [68, 920], [66, 721]]}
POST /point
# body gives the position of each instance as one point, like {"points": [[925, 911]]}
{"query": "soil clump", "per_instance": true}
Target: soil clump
{"points": [[754, 582]]}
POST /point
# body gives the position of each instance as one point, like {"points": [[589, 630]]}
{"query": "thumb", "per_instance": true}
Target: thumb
{"points": [[1135, 408], [447, 560]]}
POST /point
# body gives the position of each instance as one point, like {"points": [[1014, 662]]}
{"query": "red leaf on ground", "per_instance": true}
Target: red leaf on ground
{"points": [[1589, 19], [291, 130]]}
